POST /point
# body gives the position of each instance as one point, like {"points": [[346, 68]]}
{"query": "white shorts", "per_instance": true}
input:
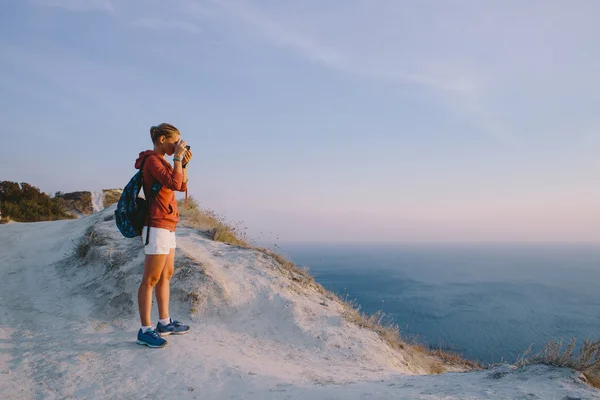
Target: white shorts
{"points": [[161, 241]]}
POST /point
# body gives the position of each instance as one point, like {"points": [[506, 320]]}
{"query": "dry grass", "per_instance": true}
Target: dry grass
{"points": [[296, 273], [210, 223], [115, 259], [109, 217], [453, 358], [587, 360], [88, 241], [5, 220], [194, 299], [387, 330], [437, 368], [593, 379], [78, 203], [111, 196], [390, 332]]}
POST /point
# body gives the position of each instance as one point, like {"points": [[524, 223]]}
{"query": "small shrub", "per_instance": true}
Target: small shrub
{"points": [[194, 300], [437, 368], [454, 358], [115, 259], [225, 235], [390, 332], [109, 217], [587, 360], [82, 248], [90, 239]]}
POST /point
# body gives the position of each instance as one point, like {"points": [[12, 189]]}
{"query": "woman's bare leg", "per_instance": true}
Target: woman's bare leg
{"points": [[163, 286], [153, 268]]}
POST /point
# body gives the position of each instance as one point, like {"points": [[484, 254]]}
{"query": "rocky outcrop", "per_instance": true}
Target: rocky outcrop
{"points": [[78, 203], [84, 203]]}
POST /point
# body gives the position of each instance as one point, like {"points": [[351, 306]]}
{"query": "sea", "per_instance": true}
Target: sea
{"points": [[488, 302]]}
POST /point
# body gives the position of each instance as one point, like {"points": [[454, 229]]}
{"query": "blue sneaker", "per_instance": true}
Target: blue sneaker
{"points": [[172, 328], [150, 338]]}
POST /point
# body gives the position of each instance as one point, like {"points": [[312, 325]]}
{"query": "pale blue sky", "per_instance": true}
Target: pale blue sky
{"points": [[320, 120]]}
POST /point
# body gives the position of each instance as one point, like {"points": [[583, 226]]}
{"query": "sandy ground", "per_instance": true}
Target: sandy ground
{"points": [[68, 329]]}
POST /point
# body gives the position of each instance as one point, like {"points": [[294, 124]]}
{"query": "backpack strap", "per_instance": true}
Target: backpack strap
{"points": [[148, 227], [153, 193]]}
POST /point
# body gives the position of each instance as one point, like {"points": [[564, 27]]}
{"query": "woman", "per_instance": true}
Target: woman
{"points": [[162, 221]]}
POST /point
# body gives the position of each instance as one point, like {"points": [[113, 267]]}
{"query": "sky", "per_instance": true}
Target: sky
{"points": [[320, 121]]}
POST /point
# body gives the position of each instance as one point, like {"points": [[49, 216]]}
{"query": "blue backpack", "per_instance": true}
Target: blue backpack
{"points": [[132, 210]]}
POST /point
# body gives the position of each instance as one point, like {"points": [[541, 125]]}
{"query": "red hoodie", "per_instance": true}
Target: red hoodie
{"points": [[163, 208]]}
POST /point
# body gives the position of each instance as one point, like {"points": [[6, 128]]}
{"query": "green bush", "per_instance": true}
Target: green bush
{"points": [[26, 203]]}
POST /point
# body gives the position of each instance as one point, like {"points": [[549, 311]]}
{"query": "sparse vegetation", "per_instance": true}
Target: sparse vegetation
{"points": [[437, 368], [390, 332], [111, 196], [211, 224], [587, 360], [453, 358], [109, 217], [296, 273], [194, 300], [77, 203], [90, 239], [115, 259]]}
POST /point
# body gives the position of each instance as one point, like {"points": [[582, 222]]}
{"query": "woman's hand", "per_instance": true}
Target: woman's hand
{"points": [[187, 157], [180, 149]]}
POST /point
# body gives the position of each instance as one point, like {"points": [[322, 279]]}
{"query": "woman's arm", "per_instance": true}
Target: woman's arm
{"points": [[171, 179]]}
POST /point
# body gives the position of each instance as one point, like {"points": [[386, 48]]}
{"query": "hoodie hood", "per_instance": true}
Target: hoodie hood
{"points": [[142, 157]]}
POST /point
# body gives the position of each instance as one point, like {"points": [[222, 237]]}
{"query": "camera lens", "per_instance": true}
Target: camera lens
{"points": [[188, 147]]}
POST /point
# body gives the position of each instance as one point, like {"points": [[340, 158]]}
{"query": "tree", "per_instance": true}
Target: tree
{"points": [[26, 203]]}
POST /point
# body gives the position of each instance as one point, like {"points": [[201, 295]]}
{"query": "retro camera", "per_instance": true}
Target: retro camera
{"points": [[187, 147]]}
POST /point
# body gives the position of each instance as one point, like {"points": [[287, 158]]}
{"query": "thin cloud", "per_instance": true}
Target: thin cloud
{"points": [[458, 90], [162, 24], [79, 5]]}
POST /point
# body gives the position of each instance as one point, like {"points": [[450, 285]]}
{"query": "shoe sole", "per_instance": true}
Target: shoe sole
{"points": [[151, 345], [172, 333]]}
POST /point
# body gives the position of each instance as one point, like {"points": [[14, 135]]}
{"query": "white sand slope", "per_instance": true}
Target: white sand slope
{"points": [[68, 328]]}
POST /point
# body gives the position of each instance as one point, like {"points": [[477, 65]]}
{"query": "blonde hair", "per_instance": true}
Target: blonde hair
{"points": [[163, 129]]}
